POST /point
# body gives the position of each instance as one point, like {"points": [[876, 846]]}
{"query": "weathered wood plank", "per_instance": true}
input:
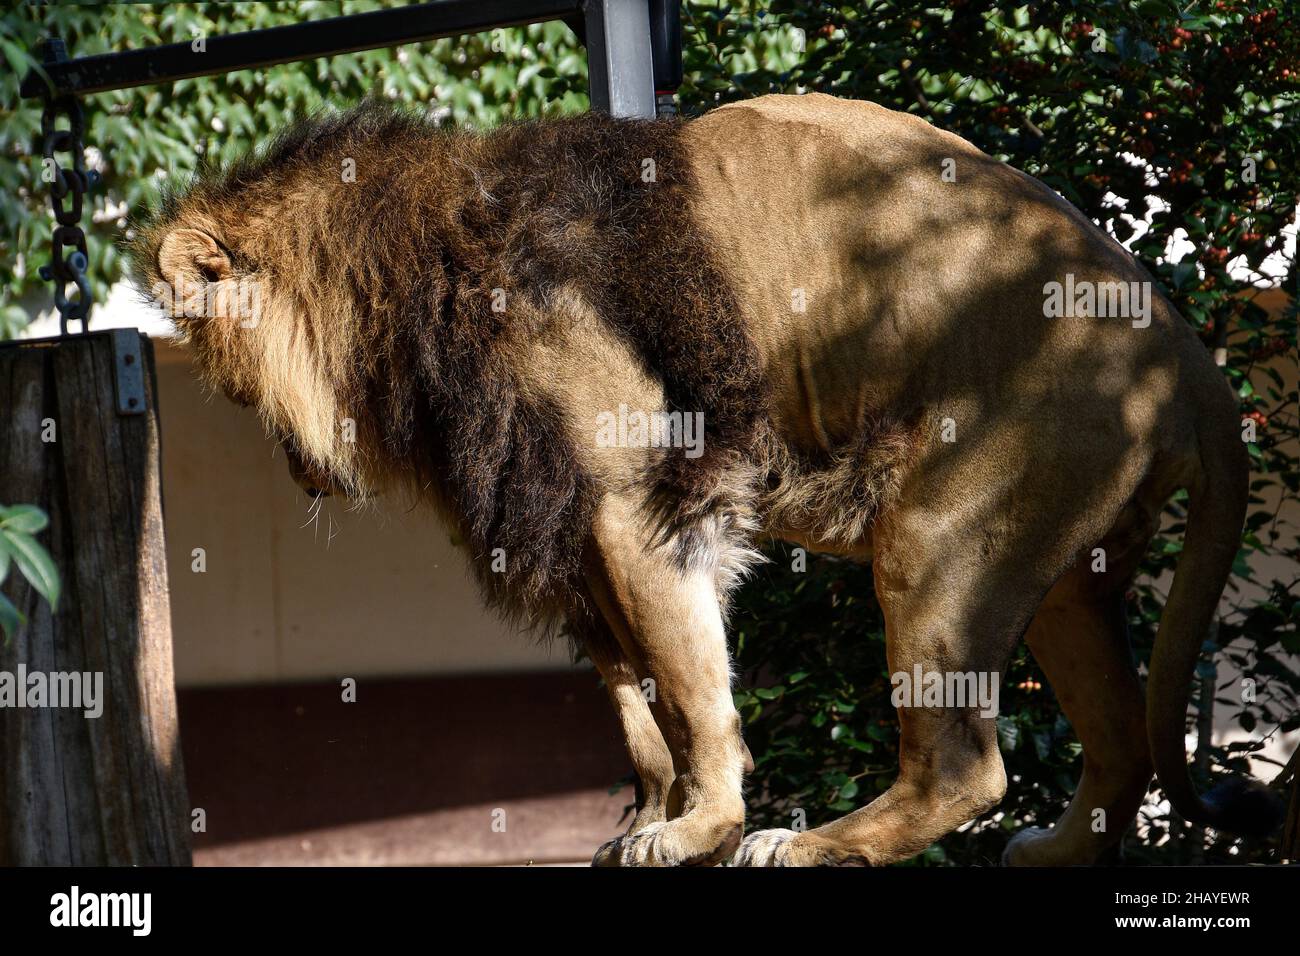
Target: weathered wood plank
{"points": [[74, 790]]}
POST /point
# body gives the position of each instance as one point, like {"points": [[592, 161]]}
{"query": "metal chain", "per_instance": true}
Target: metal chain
{"points": [[67, 184]]}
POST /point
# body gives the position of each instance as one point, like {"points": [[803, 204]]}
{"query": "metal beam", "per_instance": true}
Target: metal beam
{"points": [[619, 71], [302, 41], [666, 44]]}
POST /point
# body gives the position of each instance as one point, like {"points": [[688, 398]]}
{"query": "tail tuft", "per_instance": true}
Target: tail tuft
{"points": [[1244, 808]]}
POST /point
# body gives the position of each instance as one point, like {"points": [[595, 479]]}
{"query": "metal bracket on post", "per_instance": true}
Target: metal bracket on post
{"points": [[619, 71], [128, 371], [666, 53]]}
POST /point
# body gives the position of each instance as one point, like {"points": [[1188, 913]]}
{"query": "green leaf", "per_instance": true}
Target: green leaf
{"points": [[19, 62], [935, 854], [1042, 745], [25, 519], [1008, 733], [10, 618], [1156, 8], [35, 564]]}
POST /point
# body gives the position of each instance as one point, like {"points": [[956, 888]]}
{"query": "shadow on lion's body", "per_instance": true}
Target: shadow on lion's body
{"points": [[865, 338]]}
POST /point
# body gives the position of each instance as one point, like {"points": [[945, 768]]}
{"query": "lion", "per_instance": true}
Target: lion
{"points": [[520, 327]]}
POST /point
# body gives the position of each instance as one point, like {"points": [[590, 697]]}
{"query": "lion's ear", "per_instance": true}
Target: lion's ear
{"points": [[190, 257]]}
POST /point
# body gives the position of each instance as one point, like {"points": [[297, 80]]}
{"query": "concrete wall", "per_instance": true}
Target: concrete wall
{"points": [[377, 593]]}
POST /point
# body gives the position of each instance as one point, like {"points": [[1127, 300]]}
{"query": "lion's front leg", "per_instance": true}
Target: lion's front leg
{"points": [[651, 759], [670, 625]]}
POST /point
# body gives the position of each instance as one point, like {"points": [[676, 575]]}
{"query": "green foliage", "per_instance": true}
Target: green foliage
{"points": [[1125, 108], [19, 548], [141, 135]]}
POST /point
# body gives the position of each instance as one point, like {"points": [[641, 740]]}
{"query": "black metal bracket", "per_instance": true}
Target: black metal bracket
{"points": [[128, 371], [666, 44]]}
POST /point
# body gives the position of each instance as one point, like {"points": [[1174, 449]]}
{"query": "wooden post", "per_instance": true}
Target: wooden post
{"points": [[74, 789]]}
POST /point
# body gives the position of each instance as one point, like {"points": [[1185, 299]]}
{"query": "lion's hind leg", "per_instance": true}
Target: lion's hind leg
{"points": [[955, 605], [1080, 639]]}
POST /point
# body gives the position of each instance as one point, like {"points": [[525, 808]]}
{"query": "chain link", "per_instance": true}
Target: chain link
{"points": [[68, 187]]}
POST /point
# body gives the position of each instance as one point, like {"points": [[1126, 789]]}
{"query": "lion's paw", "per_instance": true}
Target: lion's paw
{"points": [[632, 849], [1036, 846], [764, 848], [671, 843], [1032, 846], [791, 848]]}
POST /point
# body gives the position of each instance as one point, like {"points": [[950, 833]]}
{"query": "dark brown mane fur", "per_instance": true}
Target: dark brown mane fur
{"points": [[435, 222]]}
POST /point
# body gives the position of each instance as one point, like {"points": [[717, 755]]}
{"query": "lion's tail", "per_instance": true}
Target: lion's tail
{"points": [[1216, 509]]}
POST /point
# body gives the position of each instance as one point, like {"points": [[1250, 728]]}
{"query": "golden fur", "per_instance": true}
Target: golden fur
{"points": [[867, 344]]}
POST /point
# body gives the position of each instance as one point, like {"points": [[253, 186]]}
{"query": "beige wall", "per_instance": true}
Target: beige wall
{"points": [[387, 595]]}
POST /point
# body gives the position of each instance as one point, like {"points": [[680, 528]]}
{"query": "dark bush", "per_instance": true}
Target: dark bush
{"points": [[1128, 109]]}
